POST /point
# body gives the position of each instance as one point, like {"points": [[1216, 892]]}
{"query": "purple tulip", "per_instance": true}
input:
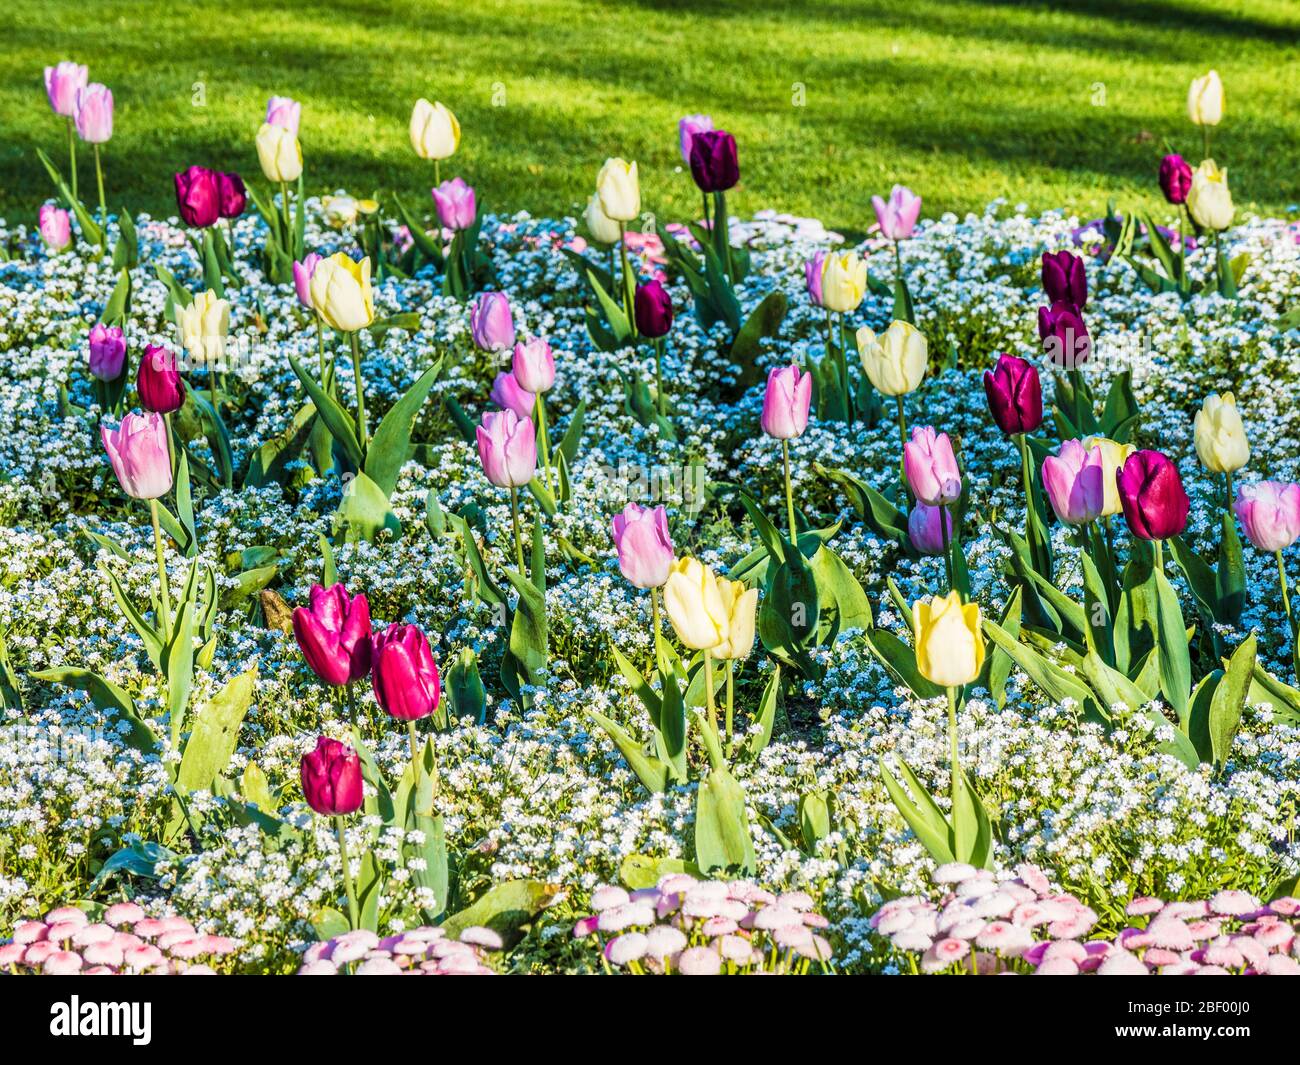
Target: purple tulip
{"points": [[931, 467], [302, 272], [1064, 335], [714, 165], [456, 205], [159, 383], [334, 634], [490, 322], [107, 352], [1015, 395], [897, 216], [687, 128], [404, 675], [786, 402], [331, 778], [95, 113], [137, 451], [509, 394], [1151, 493], [924, 530], [507, 448], [198, 195], [55, 225], [1175, 178], [1064, 279], [652, 308], [283, 111], [234, 197], [534, 365], [1269, 511], [1075, 482], [645, 550], [812, 272], [62, 83]]}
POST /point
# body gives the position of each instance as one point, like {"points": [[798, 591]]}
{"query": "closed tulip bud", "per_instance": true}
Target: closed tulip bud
{"points": [[1113, 457], [786, 402], [1151, 492], [652, 308], [56, 227], [279, 153], [490, 322], [1269, 511], [603, 229], [844, 281], [507, 448], [341, 293], [198, 196], [302, 272], [404, 674], [137, 451], [897, 216], [234, 197], [285, 112], [1064, 279], [695, 606], [159, 383], [107, 352], [1015, 395], [62, 83], [949, 643], [931, 467], [741, 607], [534, 365], [333, 634], [508, 394], [1175, 178], [1209, 200], [645, 550], [1064, 335], [1075, 482], [619, 190], [455, 203], [435, 133], [812, 273], [926, 532], [686, 130], [714, 164], [331, 778], [204, 326], [896, 360], [1205, 100], [94, 114], [1220, 437]]}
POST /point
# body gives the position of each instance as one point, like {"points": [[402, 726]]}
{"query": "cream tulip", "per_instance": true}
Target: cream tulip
{"points": [[602, 228], [1209, 201], [741, 605], [1113, 457], [279, 153], [204, 325], [619, 190], [896, 360], [844, 281], [1205, 100], [949, 643], [695, 605], [435, 133], [1220, 437], [341, 294]]}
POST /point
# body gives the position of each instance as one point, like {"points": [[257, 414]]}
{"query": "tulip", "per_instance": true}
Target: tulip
{"points": [[339, 212], [507, 448], [508, 394], [1015, 395], [204, 326], [931, 466], [107, 352], [1209, 200], [62, 83], [844, 281], [786, 402], [285, 112], [741, 609], [137, 451], [930, 529], [1075, 482], [1064, 335], [302, 273], [95, 113], [1113, 457], [603, 229], [695, 605], [896, 360], [812, 271], [490, 322], [687, 128], [334, 634], [653, 308], [645, 550], [619, 190], [161, 388], [534, 365], [56, 227], [1064, 279], [1175, 178], [234, 197], [341, 293], [435, 133], [1269, 511], [897, 216], [949, 643], [455, 204], [331, 778], [1151, 493], [1220, 437], [279, 153], [198, 196], [404, 675], [713, 161], [1205, 100]]}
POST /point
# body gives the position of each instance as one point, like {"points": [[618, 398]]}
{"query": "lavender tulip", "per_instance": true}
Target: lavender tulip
{"points": [[62, 83], [897, 216], [107, 352], [491, 324]]}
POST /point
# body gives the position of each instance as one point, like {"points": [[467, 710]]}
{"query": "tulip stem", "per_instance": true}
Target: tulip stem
{"points": [[354, 915], [898, 262], [722, 233], [659, 375], [708, 689], [284, 213], [1286, 599], [902, 457], [514, 524], [103, 209], [789, 491], [731, 670], [164, 594], [320, 347], [414, 737], [1227, 484], [72, 155], [844, 374], [543, 438], [363, 434], [955, 783], [1205, 141], [947, 547], [171, 447], [628, 284], [1037, 549], [352, 703], [654, 624]]}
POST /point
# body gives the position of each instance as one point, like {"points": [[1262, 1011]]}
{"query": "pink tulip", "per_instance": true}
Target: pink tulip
{"points": [[786, 402], [334, 634], [924, 530], [137, 451], [56, 226], [534, 365], [95, 113], [62, 83], [509, 394], [645, 550], [284, 111], [931, 467], [507, 448], [897, 216], [490, 322], [107, 352], [1269, 511], [1075, 482], [456, 205], [302, 272], [404, 675]]}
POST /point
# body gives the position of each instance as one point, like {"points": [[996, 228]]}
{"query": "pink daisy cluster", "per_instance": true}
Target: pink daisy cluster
{"points": [[126, 940], [706, 928], [422, 951]]}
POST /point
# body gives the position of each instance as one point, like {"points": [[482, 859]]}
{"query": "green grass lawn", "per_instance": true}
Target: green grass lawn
{"points": [[962, 101]]}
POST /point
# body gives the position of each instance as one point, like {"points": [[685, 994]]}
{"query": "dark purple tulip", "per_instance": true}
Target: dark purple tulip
{"points": [[198, 195], [404, 675], [159, 382], [1151, 493], [1175, 178], [1064, 279], [331, 778], [234, 198], [1064, 335], [653, 307], [334, 634], [713, 160], [1015, 395]]}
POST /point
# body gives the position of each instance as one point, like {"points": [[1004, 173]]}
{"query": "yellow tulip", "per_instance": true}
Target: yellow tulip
{"points": [[1208, 200], [896, 360], [695, 605], [279, 153], [204, 325], [619, 190], [1113, 456], [844, 281], [435, 133], [741, 605], [339, 211], [340, 292], [1205, 100], [949, 644], [1220, 437]]}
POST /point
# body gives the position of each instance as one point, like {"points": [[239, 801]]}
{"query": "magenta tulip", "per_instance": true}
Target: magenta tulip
{"points": [[1015, 395], [95, 114], [158, 381], [507, 448], [897, 216], [55, 225], [534, 365], [198, 196], [1175, 178], [786, 402], [687, 128], [1269, 511], [1064, 335], [455, 203], [509, 394], [931, 467], [137, 451], [1075, 482], [334, 634], [283, 111], [1064, 279], [234, 197], [926, 532], [652, 307], [404, 674], [62, 83], [490, 322], [107, 352], [645, 550], [302, 272], [1151, 493], [331, 778]]}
